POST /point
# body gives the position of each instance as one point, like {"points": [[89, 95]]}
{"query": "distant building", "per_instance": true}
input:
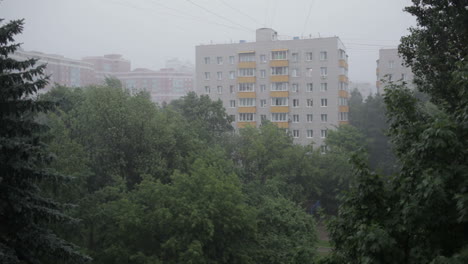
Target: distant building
{"points": [[298, 84], [164, 85], [366, 89], [390, 67], [62, 71], [108, 64]]}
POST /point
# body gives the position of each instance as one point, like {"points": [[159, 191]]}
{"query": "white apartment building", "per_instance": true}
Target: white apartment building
{"points": [[390, 68], [298, 84]]}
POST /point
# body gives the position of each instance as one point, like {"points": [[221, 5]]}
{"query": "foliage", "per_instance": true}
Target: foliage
{"points": [[25, 213], [420, 216]]}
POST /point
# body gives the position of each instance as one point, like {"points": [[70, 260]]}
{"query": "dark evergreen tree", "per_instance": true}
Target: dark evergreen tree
{"points": [[25, 215]]}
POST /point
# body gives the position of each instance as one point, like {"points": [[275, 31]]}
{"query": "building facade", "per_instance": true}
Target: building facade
{"points": [[391, 68], [298, 84], [61, 70]]}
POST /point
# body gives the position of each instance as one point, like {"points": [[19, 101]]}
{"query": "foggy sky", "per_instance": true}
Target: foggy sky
{"points": [[149, 31]]}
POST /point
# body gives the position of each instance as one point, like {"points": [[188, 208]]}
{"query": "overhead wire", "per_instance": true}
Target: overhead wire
{"points": [[241, 12], [307, 17], [213, 13]]}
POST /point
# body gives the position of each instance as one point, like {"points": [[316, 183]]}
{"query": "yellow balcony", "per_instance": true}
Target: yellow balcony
{"points": [[343, 108], [246, 124], [246, 64], [246, 51], [344, 122], [282, 124], [246, 95], [279, 94], [280, 50], [279, 109], [343, 63], [343, 78], [279, 63], [247, 109], [343, 93], [246, 79], [279, 78]]}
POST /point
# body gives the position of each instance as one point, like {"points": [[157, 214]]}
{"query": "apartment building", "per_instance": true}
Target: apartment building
{"points": [[61, 70], [298, 84], [390, 68]]}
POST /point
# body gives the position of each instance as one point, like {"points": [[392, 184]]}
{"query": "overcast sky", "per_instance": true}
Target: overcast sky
{"points": [[149, 31]]}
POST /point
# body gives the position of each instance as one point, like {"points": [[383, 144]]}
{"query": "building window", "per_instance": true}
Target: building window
{"points": [[247, 72], [279, 117], [310, 133], [263, 117], [323, 71], [295, 102], [295, 87], [279, 101], [246, 57], [263, 103], [295, 118], [323, 55], [323, 133], [324, 102], [323, 87], [279, 55], [246, 87], [310, 87], [403, 77], [295, 133], [310, 118], [219, 75], [246, 102], [207, 60], [295, 57], [207, 76], [263, 58], [262, 73], [343, 116], [231, 60], [231, 88], [309, 72], [324, 117], [308, 56], [232, 103], [343, 71], [263, 87], [342, 101], [310, 103], [246, 117], [279, 70], [390, 77], [207, 89], [342, 54], [279, 86], [220, 89], [391, 64], [219, 60], [232, 75], [295, 72], [233, 118], [343, 86], [323, 149]]}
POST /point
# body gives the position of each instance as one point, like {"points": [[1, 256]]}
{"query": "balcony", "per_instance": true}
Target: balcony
{"points": [[246, 94], [279, 78], [279, 94], [251, 79], [246, 124], [279, 109], [343, 78], [246, 64], [343, 108], [247, 109], [281, 124], [343, 93], [279, 63], [343, 63]]}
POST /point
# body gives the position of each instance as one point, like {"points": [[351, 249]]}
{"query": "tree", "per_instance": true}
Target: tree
{"points": [[25, 214], [423, 215]]}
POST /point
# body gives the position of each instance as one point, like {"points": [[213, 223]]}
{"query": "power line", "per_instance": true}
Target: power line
{"points": [[213, 13], [308, 15], [240, 12]]}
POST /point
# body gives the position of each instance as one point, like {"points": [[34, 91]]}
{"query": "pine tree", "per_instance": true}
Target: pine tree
{"points": [[25, 214]]}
